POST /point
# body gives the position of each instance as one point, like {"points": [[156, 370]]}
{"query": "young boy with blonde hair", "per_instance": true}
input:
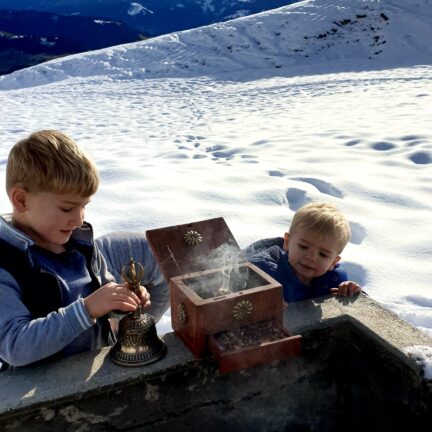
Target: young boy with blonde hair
{"points": [[55, 287], [306, 261]]}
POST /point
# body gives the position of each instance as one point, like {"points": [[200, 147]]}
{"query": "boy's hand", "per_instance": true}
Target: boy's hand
{"points": [[112, 296], [347, 288]]}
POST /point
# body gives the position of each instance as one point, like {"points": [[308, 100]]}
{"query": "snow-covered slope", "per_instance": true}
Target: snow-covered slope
{"points": [[312, 36]]}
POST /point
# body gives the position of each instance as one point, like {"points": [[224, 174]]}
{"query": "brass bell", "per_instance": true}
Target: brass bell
{"points": [[137, 342]]}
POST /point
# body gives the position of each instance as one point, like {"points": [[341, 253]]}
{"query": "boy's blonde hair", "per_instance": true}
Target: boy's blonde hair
{"points": [[325, 219], [50, 161]]}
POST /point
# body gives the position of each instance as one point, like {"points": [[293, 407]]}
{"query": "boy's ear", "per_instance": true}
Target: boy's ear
{"points": [[286, 241], [18, 198], [335, 261]]}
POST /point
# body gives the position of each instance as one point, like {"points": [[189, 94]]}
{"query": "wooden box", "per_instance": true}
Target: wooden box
{"points": [[253, 344], [194, 316], [213, 290]]}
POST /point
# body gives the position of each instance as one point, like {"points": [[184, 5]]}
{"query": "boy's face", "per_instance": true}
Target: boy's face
{"points": [[310, 254], [49, 218]]}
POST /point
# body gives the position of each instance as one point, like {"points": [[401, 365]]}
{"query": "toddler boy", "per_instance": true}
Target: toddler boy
{"points": [[55, 287], [305, 261]]}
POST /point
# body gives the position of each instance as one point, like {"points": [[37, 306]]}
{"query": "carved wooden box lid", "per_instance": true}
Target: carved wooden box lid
{"points": [[193, 247]]}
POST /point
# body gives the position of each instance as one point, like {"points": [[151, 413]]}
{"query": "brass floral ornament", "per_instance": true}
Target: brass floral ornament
{"points": [[242, 309], [192, 238], [182, 313]]}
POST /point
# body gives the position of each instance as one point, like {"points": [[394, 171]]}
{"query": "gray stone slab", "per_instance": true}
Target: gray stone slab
{"points": [[185, 385]]}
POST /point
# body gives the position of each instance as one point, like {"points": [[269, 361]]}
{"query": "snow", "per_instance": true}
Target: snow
{"points": [[103, 22], [138, 8], [46, 42], [250, 119], [207, 5], [238, 14], [422, 355]]}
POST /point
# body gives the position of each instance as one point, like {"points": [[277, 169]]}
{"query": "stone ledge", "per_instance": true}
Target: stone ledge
{"points": [[326, 324], [364, 313], [75, 376]]}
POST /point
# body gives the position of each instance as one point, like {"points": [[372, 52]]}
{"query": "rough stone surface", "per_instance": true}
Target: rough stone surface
{"points": [[352, 375]]}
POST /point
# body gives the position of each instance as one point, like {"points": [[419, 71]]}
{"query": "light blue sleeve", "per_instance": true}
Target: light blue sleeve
{"points": [[24, 340]]}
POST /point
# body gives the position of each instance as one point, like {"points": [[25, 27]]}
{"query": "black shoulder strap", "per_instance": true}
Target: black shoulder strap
{"points": [[9, 260], [14, 261], [88, 254]]}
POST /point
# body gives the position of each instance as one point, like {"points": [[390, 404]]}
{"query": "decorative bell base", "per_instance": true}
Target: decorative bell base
{"points": [[138, 343]]}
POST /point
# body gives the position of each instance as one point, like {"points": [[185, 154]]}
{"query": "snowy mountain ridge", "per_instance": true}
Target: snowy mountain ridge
{"points": [[313, 36]]}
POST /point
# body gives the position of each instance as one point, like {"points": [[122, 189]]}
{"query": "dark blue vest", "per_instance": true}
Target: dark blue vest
{"points": [[41, 291]]}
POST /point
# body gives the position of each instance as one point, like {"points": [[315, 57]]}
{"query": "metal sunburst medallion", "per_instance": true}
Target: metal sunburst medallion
{"points": [[182, 313], [242, 309], [192, 238]]}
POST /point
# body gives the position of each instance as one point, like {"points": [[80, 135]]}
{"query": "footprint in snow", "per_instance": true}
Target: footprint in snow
{"points": [[296, 198], [353, 142], [355, 272], [383, 146], [421, 158], [275, 173], [358, 233], [323, 186], [419, 300]]}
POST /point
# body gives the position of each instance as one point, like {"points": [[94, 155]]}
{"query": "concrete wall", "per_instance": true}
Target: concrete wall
{"points": [[352, 376]]}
